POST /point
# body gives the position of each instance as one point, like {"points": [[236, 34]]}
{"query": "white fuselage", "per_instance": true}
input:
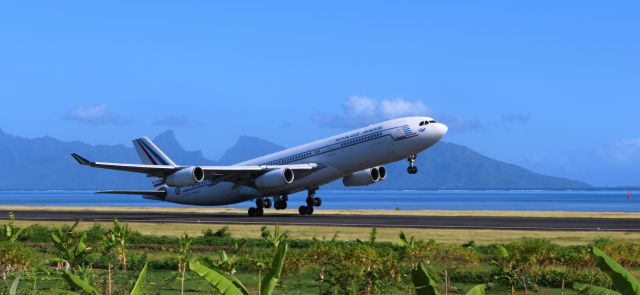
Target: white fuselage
{"points": [[337, 157]]}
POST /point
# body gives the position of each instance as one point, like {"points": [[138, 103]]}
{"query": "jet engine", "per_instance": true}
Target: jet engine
{"points": [[186, 176], [366, 176], [275, 178]]}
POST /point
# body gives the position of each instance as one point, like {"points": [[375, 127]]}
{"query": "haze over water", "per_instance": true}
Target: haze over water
{"points": [[594, 201]]}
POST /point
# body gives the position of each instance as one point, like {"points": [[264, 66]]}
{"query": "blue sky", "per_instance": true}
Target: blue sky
{"points": [[550, 85]]}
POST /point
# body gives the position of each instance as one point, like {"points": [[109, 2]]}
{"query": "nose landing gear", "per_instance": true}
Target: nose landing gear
{"points": [[312, 201], [412, 169]]}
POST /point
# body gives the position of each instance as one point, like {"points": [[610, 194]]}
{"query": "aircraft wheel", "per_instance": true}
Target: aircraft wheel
{"points": [[309, 201], [267, 203], [260, 202], [412, 170], [259, 212], [283, 205], [302, 210], [252, 211], [309, 210], [317, 201]]}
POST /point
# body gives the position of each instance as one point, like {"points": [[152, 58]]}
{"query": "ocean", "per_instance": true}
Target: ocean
{"points": [[517, 200]]}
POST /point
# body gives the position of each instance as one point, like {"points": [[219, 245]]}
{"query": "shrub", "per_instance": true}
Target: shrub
{"points": [[15, 258], [223, 232]]}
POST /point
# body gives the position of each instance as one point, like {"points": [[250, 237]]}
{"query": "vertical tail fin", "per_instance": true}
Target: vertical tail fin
{"points": [[150, 154]]}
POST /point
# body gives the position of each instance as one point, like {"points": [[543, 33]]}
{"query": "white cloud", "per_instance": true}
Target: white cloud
{"points": [[362, 110], [399, 107], [360, 106], [95, 115]]}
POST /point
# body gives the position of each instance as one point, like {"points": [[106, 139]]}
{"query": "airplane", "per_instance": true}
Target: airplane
{"points": [[356, 156]]}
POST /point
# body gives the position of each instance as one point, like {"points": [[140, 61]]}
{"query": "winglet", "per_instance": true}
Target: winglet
{"points": [[81, 160]]}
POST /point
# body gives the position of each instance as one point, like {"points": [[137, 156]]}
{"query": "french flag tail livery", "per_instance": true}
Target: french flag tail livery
{"points": [[150, 154]]}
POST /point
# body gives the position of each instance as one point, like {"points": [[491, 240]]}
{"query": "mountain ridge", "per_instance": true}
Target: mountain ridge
{"points": [[44, 163]]}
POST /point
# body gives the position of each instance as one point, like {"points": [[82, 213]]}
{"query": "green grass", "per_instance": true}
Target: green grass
{"points": [[456, 236]]}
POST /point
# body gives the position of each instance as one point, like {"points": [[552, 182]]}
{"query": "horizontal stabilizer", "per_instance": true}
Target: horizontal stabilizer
{"points": [[159, 194]]}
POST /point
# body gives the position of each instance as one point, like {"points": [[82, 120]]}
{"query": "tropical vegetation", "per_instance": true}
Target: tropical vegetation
{"points": [[118, 260]]}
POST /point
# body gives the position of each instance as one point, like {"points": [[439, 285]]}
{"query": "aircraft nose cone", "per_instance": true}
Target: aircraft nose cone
{"points": [[434, 132], [440, 130]]}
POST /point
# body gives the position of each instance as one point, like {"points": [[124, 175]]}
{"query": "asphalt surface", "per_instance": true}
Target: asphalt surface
{"points": [[451, 222]]}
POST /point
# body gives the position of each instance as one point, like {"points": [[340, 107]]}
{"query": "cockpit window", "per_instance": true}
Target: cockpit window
{"points": [[432, 121], [421, 123]]}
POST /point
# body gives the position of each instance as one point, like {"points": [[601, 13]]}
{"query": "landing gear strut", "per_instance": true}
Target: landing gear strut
{"points": [[312, 201], [412, 169]]}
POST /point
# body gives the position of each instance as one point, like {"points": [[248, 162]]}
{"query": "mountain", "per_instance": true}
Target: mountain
{"points": [[168, 143], [451, 166], [248, 147], [44, 163]]}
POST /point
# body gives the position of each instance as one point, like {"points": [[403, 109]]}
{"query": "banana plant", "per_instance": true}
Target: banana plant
{"points": [[71, 247], [276, 237], [229, 285], [623, 281], [184, 255], [272, 277], [10, 232], [78, 283], [425, 285], [13, 288], [226, 263], [121, 234], [107, 248], [411, 249], [223, 283]]}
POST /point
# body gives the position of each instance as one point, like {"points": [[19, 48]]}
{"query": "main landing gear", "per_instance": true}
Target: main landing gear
{"points": [[312, 201], [258, 210], [279, 203], [412, 169]]}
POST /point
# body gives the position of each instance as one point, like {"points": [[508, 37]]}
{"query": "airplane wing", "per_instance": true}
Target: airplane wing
{"points": [[163, 171]]}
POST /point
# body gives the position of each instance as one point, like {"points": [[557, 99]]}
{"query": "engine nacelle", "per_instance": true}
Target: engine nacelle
{"points": [[186, 176], [382, 172], [365, 177], [275, 178]]}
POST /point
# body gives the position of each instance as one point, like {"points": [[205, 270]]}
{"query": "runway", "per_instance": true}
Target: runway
{"points": [[404, 221]]}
